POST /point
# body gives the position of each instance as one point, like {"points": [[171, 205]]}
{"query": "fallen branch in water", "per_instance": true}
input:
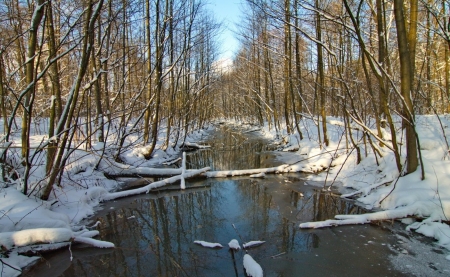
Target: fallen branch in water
{"points": [[398, 213], [231, 173], [146, 189], [193, 146]]}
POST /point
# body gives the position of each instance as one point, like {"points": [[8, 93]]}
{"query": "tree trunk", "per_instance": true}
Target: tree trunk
{"points": [[287, 63], [30, 79], [406, 43], [321, 76]]}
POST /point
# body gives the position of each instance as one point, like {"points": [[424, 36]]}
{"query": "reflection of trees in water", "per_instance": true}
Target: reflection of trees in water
{"points": [[230, 151], [159, 240], [323, 205], [266, 220]]}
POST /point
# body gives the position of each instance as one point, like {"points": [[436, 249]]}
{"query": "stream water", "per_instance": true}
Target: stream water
{"points": [[154, 233]]}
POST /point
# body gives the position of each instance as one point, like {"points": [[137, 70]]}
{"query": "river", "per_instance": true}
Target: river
{"points": [[154, 233]]}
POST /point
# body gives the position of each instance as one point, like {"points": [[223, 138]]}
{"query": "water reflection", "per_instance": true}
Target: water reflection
{"points": [[231, 150], [154, 233]]}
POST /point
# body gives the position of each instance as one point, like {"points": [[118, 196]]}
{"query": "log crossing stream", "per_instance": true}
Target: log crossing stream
{"points": [[154, 233]]}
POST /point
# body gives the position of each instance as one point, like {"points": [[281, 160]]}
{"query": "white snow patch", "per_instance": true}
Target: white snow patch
{"points": [[208, 244], [252, 267]]}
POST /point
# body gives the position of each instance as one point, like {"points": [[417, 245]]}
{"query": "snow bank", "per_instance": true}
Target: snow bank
{"points": [[378, 186], [18, 212]]}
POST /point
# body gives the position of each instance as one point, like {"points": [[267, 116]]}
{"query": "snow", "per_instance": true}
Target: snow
{"points": [[33, 236], [252, 267], [208, 244], [253, 243], [257, 171], [259, 175], [234, 244]]}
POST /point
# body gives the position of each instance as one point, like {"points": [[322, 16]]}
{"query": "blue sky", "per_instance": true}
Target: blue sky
{"points": [[229, 12]]}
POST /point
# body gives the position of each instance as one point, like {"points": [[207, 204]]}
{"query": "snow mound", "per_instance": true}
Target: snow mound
{"points": [[234, 244], [252, 267]]}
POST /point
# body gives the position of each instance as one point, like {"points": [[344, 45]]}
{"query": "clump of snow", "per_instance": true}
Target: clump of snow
{"points": [[208, 244], [253, 243], [33, 236], [234, 244], [252, 268], [259, 175]]}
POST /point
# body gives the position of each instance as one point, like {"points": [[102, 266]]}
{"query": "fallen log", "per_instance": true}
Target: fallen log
{"points": [[231, 173], [146, 189], [147, 173], [398, 213], [190, 146]]}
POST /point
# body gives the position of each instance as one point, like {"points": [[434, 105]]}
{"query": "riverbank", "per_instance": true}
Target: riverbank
{"points": [[423, 205]]}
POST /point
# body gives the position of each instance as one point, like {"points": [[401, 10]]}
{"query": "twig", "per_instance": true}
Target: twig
{"points": [[437, 191], [28, 214], [237, 232], [8, 265], [274, 256], [395, 183]]}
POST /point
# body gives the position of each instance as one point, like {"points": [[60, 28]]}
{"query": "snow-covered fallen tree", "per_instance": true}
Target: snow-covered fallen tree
{"points": [[231, 173], [193, 146], [146, 189]]}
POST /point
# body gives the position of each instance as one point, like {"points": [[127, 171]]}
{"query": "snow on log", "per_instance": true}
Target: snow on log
{"points": [[333, 222], [366, 190], [143, 172], [234, 244], [146, 189], [230, 173], [418, 208], [87, 234], [94, 242], [191, 145], [54, 238], [252, 130], [172, 161], [259, 175], [208, 244], [252, 268], [34, 236], [254, 243], [42, 248]]}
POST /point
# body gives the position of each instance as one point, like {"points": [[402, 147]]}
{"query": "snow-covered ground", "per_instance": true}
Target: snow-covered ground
{"points": [[29, 223], [424, 205]]}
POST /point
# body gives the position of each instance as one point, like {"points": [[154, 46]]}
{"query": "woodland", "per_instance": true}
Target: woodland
{"points": [[101, 70], [106, 76]]}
